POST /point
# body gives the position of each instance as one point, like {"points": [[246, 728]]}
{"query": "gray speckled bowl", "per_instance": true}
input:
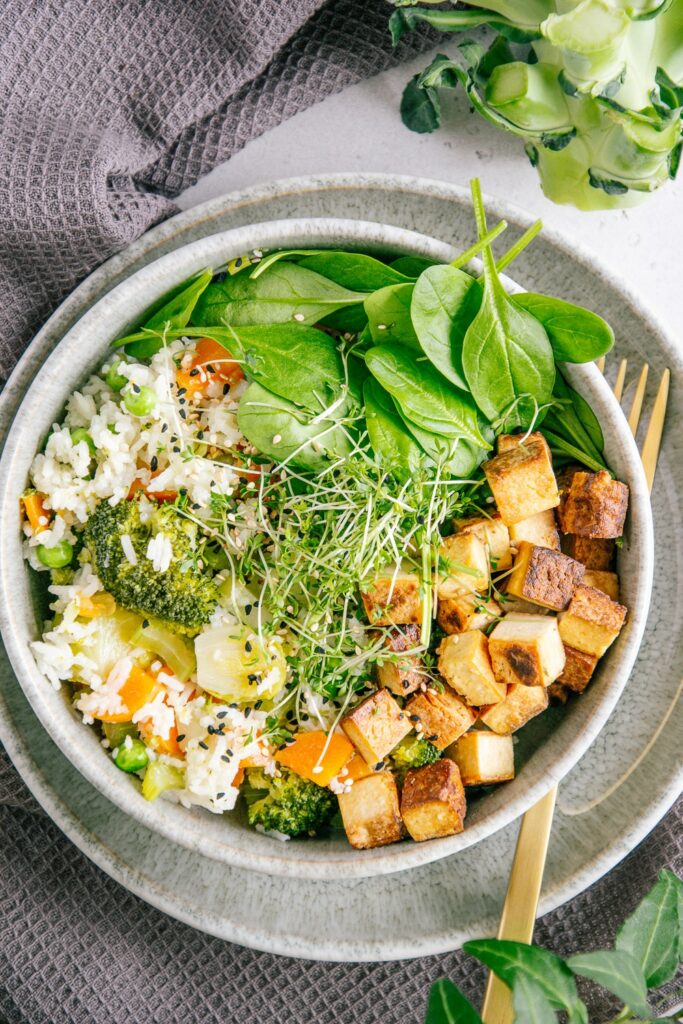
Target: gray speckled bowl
{"points": [[546, 749]]}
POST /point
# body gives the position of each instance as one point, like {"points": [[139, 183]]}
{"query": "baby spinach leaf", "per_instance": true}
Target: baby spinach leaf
{"points": [[507, 358], [284, 432], [574, 421], [284, 293], [424, 396], [577, 335], [459, 457], [174, 309], [618, 972], [392, 444], [388, 312], [530, 1003], [512, 960], [445, 302], [561, 446], [412, 266], [447, 1005], [650, 934], [353, 270]]}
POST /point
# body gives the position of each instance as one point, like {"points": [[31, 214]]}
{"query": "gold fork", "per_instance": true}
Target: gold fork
{"points": [[526, 875]]}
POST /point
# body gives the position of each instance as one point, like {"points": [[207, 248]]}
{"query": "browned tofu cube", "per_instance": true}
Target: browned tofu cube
{"points": [[608, 582], [404, 674], [522, 480], [578, 669], [494, 535], [508, 442], [545, 577], [376, 726], [370, 811], [433, 801], [521, 704], [465, 665], [540, 529], [558, 693], [463, 566], [593, 552], [595, 506], [440, 717], [526, 649], [393, 599], [458, 614], [483, 758], [592, 621]]}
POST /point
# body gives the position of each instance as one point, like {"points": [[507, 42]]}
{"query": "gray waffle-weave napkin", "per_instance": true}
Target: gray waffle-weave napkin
{"points": [[108, 108]]}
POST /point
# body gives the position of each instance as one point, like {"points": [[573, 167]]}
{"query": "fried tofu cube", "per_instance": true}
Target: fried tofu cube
{"points": [[483, 758], [543, 576], [370, 811], [595, 506], [608, 582], [393, 599], [558, 693], [521, 704], [540, 529], [508, 442], [465, 665], [593, 552], [526, 649], [440, 717], [494, 535], [433, 801], [463, 566], [404, 675], [458, 614], [592, 621], [376, 726], [578, 669], [522, 480]]}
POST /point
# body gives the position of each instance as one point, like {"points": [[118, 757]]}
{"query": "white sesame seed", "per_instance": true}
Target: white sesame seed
{"points": [[277, 438], [299, 317]]}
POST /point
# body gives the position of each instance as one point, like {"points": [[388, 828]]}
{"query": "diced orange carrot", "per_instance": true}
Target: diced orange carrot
{"points": [[139, 689], [357, 768], [168, 745], [38, 516], [96, 606], [217, 360], [304, 754], [190, 383], [137, 486]]}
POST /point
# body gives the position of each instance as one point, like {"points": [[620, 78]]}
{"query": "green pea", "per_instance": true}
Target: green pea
{"points": [[214, 556], [81, 434], [141, 402], [131, 758], [114, 379], [56, 557]]}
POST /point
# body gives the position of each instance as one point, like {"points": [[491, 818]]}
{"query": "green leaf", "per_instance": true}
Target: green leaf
{"points": [[285, 292], [412, 266], [458, 457], [530, 1004], [561, 445], [616, 971], [512, 960], [424, 396], [575, 422], [173, 310], [447, 1005], [392, 444], [388, 313], [651, 933], [354, 270], [420, 108], [445, 301], [281, 430], [577, 335], [442, 73]]}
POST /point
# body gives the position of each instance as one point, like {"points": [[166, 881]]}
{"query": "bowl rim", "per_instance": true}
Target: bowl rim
{"points": [[163, 817]]}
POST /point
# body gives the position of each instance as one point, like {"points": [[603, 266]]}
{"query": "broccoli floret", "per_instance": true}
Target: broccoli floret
{"points": [[288, 804], [183, 597], [413, 752], [62, 577]]}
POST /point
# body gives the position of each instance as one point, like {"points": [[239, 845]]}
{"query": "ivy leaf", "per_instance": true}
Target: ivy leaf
{"points": [[530, 1003], [447, 1005], [512, 960], [420, 108], [651, 933], [616, 971]]}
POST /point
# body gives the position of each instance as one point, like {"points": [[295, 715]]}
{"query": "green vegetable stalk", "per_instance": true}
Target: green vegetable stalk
{"points": [[595, 88]]}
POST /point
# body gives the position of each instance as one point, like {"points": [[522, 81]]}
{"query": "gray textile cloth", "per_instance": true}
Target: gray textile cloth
{"points": [[108, 108]]}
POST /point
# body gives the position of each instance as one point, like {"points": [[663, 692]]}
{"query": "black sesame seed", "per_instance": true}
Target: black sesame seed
{"points": [[182, 413], [226, 388], [182, 401], [200, 434], [406, 684], [414, 718], [229, 752], [180, 737], [203, 745], [233, 704], [136, 389], [247, 712], [209, 368], [176, 449], [154, 462], [145, 623], [320, 650], [221, 714], [193, 372], [434, 736], [224, 757], [219, 796], [257, 705], [247, 609], [379, 766], [248, 647], [210, 729], [164, 428], [182, 391]]}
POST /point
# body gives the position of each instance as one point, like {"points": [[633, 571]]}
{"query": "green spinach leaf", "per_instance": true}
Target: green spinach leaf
{"points": [[388, 312], [424, 396], [445, 302], [575, 422], [507, 358], [173, 310], [651, 933], [577, 335], [447, 1005], [286, 292], [392, 444], [354, 270], [412, 266]]}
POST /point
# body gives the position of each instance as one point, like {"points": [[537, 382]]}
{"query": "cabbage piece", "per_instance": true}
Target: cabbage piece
{"points": [[234, 665]]}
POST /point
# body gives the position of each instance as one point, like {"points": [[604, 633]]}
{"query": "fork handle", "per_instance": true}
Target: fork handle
{"points": [[521, 900]]}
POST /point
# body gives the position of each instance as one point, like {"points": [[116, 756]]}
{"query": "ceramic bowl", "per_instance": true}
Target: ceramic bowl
{"points": [[546, 749]]}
